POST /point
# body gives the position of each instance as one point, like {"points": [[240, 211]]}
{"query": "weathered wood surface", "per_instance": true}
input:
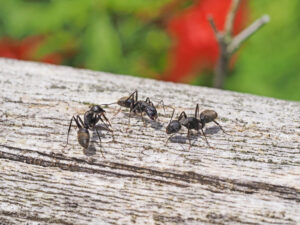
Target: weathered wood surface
{"points": [[252, 176]]}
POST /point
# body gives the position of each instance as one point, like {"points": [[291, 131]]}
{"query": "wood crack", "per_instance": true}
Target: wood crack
{"points": [[171, 178]]}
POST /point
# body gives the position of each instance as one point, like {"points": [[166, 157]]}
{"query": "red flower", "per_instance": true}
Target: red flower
{"points": [[25, 49], [195, 47]]}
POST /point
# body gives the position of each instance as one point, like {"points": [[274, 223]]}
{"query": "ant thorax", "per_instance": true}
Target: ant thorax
{"points": [[191, 123]]}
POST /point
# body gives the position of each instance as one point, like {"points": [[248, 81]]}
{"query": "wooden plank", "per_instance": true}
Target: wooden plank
{"points": [[251, 176]]}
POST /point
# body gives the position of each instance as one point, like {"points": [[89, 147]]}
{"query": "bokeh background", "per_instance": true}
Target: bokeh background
{"points": [[162, 39]]}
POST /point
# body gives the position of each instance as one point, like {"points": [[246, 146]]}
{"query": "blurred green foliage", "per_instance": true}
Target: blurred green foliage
{"points": [[269, 62], [118, 36], [107, 35]]}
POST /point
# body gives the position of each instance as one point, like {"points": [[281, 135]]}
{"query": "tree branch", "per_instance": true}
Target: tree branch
{"points": [[245, 34], [214, 28], [230, 18], [229, 45]]}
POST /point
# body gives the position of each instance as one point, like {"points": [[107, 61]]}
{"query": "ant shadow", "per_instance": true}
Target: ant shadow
{"points": [[184, 140], [91, 150], [195, 136], [180, 139], [101, 127], [212, 130]]}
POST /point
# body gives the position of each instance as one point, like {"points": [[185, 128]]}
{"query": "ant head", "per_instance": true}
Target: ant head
{"points": [[97, 109], [173, 127], [151, 112]]}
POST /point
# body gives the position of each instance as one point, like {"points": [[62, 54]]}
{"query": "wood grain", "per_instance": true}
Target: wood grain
{"points": [[252, 176]]}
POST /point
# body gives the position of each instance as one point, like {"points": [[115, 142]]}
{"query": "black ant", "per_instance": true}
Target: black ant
{"points": [[192, 123], [91, 118], [138, 106]]}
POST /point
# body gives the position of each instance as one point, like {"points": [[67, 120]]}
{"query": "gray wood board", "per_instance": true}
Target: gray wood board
{"points": [[250, 176]]}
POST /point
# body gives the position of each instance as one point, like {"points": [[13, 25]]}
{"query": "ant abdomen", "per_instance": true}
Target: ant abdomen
{"points": [[124, 102], [83, 137], [208, 116]]}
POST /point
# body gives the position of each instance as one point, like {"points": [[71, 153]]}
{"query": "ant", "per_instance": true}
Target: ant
{"points": [[138, 106], [91, 118], [192, 123]]}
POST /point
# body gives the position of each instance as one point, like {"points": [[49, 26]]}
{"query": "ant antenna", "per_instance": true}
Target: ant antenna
{"points": [[161, 102], [172, 115], [197, 111], [110, 103]]}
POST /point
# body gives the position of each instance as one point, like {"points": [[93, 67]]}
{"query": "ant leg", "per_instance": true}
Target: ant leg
{"points": [[143, 120], [77, 123], [188, 136], [142, 117], [132, 107], [136, 95], [129, 118], [163, 105], [172, 115], [111, 130], [69, 129], [220, 126], [100, 142], [148, 101], [105, 119], [138, 107], [109, 103], [197, 110], [98, 135], [81, 124], [117, 112], [169, 138], [182, 115], [205, 138], [133, 95]]}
